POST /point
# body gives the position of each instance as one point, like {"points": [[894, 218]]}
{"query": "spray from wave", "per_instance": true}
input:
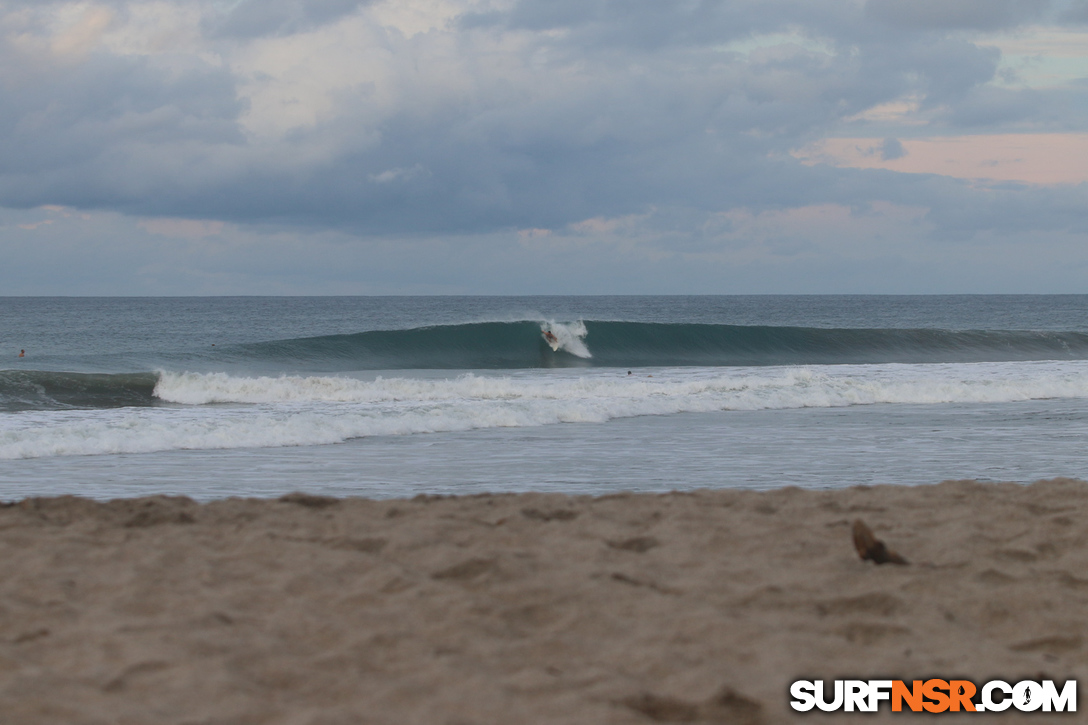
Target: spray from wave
{"points": [[569, 337]]}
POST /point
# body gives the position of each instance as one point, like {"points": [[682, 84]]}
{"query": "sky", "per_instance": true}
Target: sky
{"points": [[282, 147]]}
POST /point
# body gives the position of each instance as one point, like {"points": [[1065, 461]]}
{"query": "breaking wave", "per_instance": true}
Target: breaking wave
{"points": [[518, 345], [45, 390], [523, 346], [218, 411]]}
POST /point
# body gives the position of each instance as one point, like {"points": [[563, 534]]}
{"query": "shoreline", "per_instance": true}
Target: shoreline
{"points": [[696, 606]]}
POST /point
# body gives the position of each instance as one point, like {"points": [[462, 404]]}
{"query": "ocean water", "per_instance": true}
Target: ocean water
{"points": [[396, 396]]}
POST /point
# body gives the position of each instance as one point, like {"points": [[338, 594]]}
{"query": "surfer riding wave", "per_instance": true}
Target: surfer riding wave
{"points": [[567, 337]]}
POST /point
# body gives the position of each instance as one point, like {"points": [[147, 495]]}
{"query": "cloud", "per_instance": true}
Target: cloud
{"points": [[258, 18], [961, 14], [31, 226], [419, 119], [1076, 12], [183, 228], [1029, 158], [892, 149]]}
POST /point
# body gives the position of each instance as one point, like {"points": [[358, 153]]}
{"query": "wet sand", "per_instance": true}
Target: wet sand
{"points": [[531, 608]]}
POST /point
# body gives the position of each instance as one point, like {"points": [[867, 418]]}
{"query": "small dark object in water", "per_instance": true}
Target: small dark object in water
{"points": [[870, 547]]}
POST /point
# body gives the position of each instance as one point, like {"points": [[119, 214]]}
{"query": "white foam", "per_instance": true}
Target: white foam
{"points": [[570, 336], [216, 411]]}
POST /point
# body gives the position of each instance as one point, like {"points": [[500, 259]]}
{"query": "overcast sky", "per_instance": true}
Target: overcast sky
{"points": [[543, 146]]}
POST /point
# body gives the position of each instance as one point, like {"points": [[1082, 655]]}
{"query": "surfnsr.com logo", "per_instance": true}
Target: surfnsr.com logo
{"points": [[933, 696]]}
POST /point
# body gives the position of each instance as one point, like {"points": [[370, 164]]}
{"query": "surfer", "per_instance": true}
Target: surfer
{"points": [[550, 337], [22, 353]]}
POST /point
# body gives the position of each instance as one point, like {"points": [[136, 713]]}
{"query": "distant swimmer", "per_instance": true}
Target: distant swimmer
{"points": [[22, 353]]}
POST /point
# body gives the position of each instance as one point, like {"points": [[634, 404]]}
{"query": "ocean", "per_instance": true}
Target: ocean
{"points": [[398, 396]]}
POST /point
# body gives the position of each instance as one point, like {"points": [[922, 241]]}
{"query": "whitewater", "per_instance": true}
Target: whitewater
{"points": [[218, 411], [387, 397]]}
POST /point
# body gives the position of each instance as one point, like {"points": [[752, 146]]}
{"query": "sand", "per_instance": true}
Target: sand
{"points": [[635, 608]]}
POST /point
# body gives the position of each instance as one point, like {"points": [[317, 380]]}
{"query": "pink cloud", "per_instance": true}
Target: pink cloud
{"points": [[1044, 158]]}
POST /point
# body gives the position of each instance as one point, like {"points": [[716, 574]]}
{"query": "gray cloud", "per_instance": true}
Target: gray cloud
{"points": [[961, 14], [892, 149], [648, 25], [620, 108], [989, 106], [1076, 12], [256, 18]]}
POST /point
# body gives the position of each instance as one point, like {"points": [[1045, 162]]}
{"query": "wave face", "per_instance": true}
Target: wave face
{"points": [[472, 346], [518, 345], [220, 411], [42, 390]]}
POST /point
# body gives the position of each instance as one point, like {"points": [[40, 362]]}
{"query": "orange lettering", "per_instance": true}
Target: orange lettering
{"points": [[961, 692], [932, 690], [913, 697]]}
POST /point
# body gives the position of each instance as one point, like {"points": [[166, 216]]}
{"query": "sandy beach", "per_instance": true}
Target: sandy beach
{"points": [[530, 608]]}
